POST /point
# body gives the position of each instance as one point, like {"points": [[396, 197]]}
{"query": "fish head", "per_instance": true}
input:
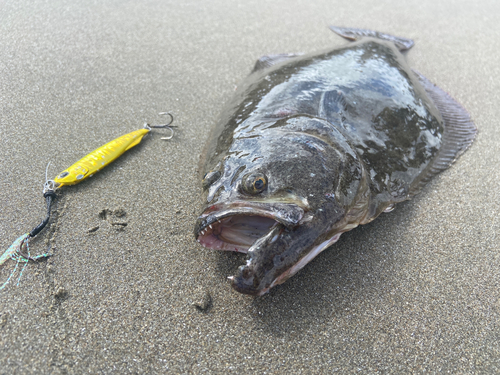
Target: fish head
{"points": [[280, 193], [72, 175]]}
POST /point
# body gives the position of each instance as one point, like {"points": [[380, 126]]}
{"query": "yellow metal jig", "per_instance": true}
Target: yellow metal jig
{"points": [[99, 158], [104, 155], [76, 173]]}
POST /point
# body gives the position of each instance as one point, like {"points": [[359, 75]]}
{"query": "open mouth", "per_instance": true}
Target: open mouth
{"points": [[235, 226], [235, 233]]}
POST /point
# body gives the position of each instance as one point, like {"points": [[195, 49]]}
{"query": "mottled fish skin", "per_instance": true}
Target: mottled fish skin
{"points": [[312, 146]]}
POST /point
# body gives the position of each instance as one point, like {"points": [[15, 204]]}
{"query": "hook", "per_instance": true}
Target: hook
{"points": [[167, 125], [171, 133], [28, 256], [167, 114]]}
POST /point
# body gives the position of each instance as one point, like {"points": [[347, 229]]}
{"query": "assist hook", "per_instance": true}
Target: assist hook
{"points": [[49, 193], [167, 125]]}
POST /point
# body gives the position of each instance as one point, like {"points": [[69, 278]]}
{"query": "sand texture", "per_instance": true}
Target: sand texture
{"points": [[415, 291]]}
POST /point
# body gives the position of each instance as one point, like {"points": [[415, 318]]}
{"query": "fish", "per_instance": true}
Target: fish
{"points": [[313, 145]]}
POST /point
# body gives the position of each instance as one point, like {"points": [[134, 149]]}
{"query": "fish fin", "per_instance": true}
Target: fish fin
{"points": [[270, 60], [459, 132], [402, 44], [333, 102]]}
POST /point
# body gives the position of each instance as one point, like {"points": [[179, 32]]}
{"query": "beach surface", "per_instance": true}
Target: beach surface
{"points": [[129, 290]]}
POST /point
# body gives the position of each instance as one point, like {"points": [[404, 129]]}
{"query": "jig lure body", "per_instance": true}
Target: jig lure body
{"points": [[99, 158]]}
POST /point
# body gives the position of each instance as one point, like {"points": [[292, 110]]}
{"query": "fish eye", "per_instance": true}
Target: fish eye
{"points": [[254, 183], [210, 178]]}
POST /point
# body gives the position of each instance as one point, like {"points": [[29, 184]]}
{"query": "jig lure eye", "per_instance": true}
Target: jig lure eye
{"points": [[210, 178], [254, 183]]}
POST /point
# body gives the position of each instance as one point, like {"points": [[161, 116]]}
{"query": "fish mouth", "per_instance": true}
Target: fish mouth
{"points": [[236, 226], [235, 232]]}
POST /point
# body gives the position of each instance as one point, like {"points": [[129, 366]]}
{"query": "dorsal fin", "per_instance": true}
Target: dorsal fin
{"points": [[402, 44], [459, 132], [269, 60]]}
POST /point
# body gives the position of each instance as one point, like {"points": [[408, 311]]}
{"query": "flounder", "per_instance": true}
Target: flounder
{"points": [[312, 146]]}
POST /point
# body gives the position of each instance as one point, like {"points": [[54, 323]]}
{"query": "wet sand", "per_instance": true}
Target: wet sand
{"points": [[414, 291]]}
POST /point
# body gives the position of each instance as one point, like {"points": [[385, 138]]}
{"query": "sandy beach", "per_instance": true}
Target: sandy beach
{"points": [[129, 290]]}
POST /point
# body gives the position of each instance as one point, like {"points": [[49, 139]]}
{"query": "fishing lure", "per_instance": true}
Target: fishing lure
{"points": [[76, 173], [104, 155]]}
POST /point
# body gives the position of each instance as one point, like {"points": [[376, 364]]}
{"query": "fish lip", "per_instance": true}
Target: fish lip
{"points": [[212, 221], [288, 214], [243, 282], [245, 288]]}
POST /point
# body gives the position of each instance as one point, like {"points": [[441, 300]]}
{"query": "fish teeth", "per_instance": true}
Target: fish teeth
{"points": [[210, 226]]}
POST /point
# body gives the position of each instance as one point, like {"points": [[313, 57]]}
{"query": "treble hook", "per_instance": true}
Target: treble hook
{"points": [[167, 125]]}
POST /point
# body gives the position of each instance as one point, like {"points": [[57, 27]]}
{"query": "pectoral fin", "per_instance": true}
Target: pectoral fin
{"points": [[270, 60]]}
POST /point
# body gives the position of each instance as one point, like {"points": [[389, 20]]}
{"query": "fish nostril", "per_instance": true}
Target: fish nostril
{"points": [[210, 178]]}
